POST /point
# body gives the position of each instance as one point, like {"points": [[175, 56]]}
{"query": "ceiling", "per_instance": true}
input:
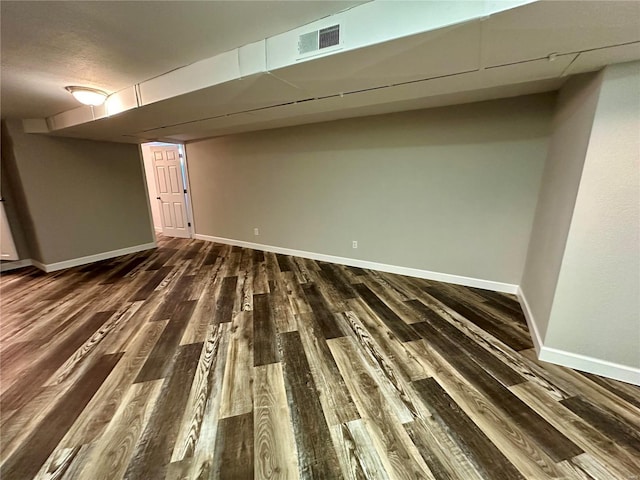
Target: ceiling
{"points": [[111, 44], [229, 67]]}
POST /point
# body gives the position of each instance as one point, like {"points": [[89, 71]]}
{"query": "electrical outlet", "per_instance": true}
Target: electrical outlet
{"points": [[256, 231], [354, 244]]}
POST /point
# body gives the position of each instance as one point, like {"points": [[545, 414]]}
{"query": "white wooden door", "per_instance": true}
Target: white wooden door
{"points": [[7, 247], [170, 185]]}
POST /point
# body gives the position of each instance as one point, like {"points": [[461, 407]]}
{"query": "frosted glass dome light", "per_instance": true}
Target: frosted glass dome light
{"points": [[88, 96]]}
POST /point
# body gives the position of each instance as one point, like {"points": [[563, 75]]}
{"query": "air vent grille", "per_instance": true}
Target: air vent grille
{"points": [[329, 36], [319, 39]]}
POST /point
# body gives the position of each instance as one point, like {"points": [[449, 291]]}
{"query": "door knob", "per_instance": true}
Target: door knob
{"points": [[158, 198]]}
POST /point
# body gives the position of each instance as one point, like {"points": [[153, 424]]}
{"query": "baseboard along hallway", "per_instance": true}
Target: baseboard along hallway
{"points": [[203, 360]]}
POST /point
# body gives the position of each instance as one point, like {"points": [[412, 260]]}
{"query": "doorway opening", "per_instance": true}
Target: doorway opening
{"points": [[167, 186]]}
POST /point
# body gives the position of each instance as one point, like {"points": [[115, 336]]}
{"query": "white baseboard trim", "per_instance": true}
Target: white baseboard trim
{"points": [[383, 267], [8, 266], [588, 364], [158, 229], [75, 262], [576, 361], [40, 265]]}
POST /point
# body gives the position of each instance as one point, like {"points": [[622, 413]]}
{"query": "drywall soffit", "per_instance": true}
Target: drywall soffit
{"points": [[382, 74]]}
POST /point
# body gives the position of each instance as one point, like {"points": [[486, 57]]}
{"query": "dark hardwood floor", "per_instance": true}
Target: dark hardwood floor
{"points": [[199, 360]]}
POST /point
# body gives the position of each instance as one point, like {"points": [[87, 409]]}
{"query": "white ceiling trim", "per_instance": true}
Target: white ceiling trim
{"points": [[425, 53], [365, 25]]}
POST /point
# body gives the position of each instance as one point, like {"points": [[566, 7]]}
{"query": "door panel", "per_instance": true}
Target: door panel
{"points": [[167, 215], [175, 180], [161, 177], [180, 223], [171, 191]]}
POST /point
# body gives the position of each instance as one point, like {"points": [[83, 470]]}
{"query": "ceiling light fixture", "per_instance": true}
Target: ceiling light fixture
{"points": [[88, 96]]}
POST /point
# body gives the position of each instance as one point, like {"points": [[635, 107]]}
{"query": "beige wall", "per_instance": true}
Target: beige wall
{"points": [[450, 190], [79, 197], [596, 311], [567, 149], [13, 196]]}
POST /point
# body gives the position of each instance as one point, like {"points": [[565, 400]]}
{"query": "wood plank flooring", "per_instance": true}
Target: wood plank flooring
{"points": [[199, 360]]}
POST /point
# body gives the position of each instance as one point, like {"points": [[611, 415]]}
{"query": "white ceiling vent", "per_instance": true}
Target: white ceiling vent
{"points": [[320, 41]]}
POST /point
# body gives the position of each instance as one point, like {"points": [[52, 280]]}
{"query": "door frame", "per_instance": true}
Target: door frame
{"points": [[182, 148], [185, 173]]}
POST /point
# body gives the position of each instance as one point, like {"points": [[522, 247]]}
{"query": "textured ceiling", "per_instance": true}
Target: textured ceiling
{"points": [[110, 45]]}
